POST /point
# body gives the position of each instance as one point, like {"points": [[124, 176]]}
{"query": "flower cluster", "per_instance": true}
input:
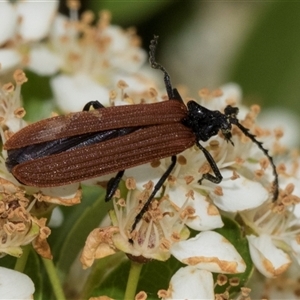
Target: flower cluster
{"points": [[20, 205], [90, 59], [23, 29], [245, 194]]}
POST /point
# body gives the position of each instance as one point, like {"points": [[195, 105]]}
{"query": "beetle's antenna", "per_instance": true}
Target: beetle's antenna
{"points": [[247, 133], [155, 65]]}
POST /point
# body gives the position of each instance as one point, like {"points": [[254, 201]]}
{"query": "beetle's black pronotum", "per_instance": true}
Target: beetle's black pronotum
{"points": [[71, 148]]}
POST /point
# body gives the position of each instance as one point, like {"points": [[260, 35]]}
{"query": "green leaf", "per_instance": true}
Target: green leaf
{"points": [[35, 270], [108, 277], [234, 234], [155, 276], [79, 221], [37, 97]]}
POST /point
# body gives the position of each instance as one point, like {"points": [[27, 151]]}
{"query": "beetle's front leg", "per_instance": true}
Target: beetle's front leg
{"points": [[218, 177]]}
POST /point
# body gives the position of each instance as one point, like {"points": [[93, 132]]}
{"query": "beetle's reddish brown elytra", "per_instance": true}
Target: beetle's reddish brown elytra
{"points": [[78, 146]]}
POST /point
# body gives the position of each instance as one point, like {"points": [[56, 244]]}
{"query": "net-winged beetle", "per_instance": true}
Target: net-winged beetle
{"points": [[82, 145]]}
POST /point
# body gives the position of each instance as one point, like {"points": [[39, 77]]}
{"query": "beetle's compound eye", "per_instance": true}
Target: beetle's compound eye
{"points": [[231, 111]]}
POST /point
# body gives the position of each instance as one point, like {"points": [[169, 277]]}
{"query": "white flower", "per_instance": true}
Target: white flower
{"points": [[11, 121], [209, 251], [284, 286], [181, 193], [18, 226], [160, 227], [23, 26], [268, 259], [15, 285], [8, 21], [35, 26], [205, 253], [75, 91], [11, 110], [161, 233], [92, 60], [274, 233], [42, 61], [284, 120], [190, 283]]}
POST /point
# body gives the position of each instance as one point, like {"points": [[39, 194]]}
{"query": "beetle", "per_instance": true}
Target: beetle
{"points": [[82, 145]]}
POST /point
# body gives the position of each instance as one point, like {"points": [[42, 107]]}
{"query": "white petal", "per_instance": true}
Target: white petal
{"points": [[119, 42], [284, 119], [97, 180], [15, 124], [42, 61], [15, 285], [136, 85], [65, 191], [36, 18], [143, 174], [192, 283], [283, 287], [209, 251], [268, 259], [130, 60], [59, 27], [57, 218], [239, 194], [232, 92], [8, 21], [9, 59], [207, 216], [73, 92], [124, 56]]}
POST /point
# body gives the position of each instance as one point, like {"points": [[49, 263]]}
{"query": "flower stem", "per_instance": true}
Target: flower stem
{"points": [[133, 279], [51, 271], [21, 262]]}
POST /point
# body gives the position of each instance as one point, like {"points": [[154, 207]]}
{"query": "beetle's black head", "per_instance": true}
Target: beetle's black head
{"points": [[206, 123]]}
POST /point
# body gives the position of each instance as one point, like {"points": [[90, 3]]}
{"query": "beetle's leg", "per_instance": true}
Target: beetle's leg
{"points": [[156, 188], [95, 104], [112, 185], [218, 177]]}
